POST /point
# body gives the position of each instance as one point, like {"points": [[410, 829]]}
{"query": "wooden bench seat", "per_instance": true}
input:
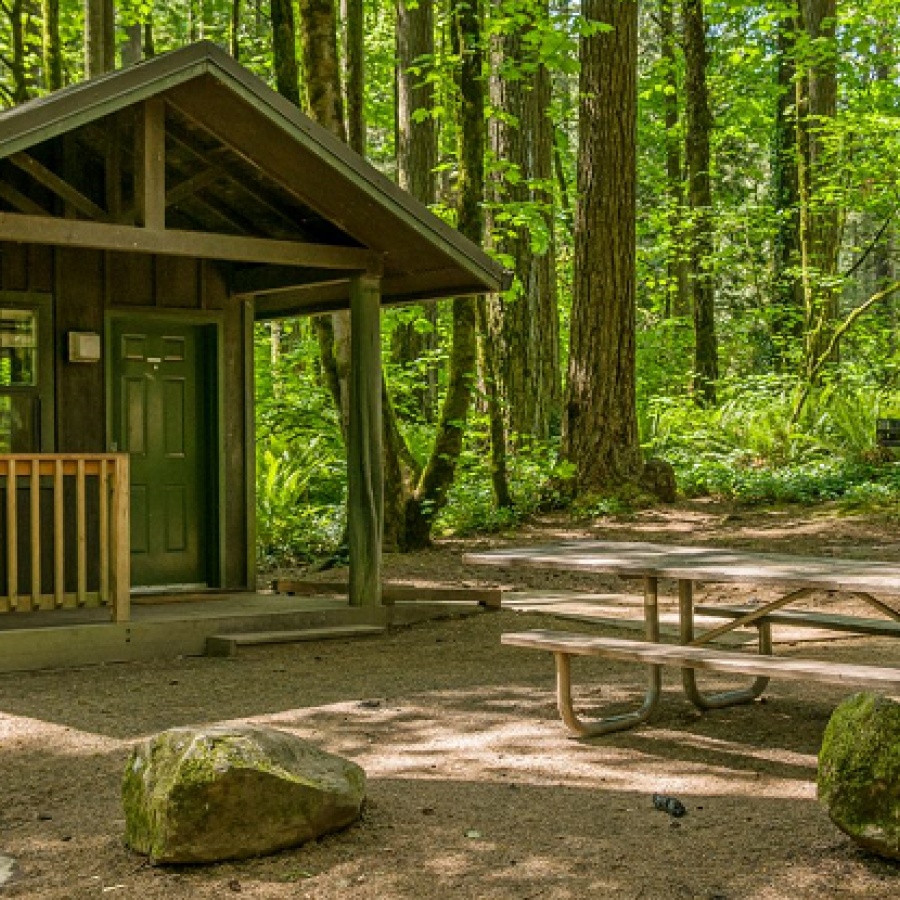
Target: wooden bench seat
{"points": [[564, 645], [803, 619], [712, 660], [227, 644]]}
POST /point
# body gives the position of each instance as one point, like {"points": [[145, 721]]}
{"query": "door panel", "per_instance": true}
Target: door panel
{"points": [[160, 383]]}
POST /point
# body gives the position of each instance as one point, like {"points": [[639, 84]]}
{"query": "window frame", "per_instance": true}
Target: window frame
{"points": [[44, 390]]}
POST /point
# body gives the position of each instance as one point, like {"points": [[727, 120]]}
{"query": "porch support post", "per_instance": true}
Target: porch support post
{"points": [[365, 509]]}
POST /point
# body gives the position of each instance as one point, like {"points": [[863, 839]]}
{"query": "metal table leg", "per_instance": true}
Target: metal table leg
{"points": [[594, 727], [689, 676]]}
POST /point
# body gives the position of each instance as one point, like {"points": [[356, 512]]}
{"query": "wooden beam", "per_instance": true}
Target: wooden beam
{"points": [[20, 201], [112, 164], [190, 186], [208, 159], [286, 301], [365, 481], [273, 279], [59, 186], [201, 245], [150, 165]]}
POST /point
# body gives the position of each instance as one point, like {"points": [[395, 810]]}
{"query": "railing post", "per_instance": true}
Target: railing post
{"points": [[120, 556], [59, 536], [4, 598], [81, 532], [105, 498], [12, 537]]}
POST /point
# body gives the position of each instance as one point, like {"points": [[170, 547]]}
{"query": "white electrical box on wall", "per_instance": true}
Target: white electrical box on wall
{"points": [[84, 347]]}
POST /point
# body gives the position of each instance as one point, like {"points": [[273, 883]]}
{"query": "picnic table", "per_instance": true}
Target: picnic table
{"points": [[800, 577]]}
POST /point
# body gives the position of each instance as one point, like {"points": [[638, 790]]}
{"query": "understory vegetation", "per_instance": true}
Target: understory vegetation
{"points": [[747, 449]]}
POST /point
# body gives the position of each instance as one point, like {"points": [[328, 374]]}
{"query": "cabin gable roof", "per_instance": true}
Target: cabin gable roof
{"points": [[240, 162]]}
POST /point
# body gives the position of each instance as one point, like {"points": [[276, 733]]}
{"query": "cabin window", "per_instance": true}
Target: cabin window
{"points": [[18, 348], [25, 375]]}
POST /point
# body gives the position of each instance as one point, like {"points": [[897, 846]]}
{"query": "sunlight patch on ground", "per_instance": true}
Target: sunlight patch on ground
{"points": [[411, 742], [21, 732], [7, 869]]}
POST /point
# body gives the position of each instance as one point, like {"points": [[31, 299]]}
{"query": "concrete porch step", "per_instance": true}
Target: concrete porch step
{"points": [[227, 644]]}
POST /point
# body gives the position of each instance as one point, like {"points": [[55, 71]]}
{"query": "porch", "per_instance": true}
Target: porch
{"points": [[167, 626]]}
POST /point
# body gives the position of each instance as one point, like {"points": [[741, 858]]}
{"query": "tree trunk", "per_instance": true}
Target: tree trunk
{"points": [[99, 37], [697, 156], [883, 262], [431, 497], [600, 435], [416, 161], [525, 321], [52, 46], [17, 64], [284, 50], [819, 225], [321, 67], [149, 42], [235, 30], [322, 86], [132, 49], [354, 68], [787, 316], [678, 296]]}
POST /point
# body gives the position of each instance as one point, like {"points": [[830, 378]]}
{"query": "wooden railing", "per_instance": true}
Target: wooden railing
{"points": [[66, 532]]}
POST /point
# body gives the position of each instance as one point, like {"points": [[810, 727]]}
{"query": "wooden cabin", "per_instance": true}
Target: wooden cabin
{"points": [[148, 218]]}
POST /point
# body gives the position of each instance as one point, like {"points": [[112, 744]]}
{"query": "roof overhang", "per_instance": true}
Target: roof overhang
{"points": [[385, 230]]}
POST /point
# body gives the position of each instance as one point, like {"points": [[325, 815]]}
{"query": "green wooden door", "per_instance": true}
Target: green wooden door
{"points": [[160, 416]]}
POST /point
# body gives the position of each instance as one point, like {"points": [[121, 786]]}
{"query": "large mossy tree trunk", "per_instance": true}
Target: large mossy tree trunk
{"points": [[816, 86], [678, 294], [697, 157], [524, 322], [284, 50], [354, 72], [16, 62], [437, 477], [600, 433], [883, 263], [317, 25], [51, 45], [416, 136], [99, 37], [787, 312]]}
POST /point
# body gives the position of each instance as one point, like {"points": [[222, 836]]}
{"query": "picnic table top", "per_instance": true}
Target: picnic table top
{"points": [[714, 564]]}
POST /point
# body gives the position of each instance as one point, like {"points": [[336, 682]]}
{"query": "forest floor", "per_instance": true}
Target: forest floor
{"points": [[475, 791]]}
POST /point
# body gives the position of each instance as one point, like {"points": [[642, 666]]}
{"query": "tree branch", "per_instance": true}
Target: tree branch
{"points": [[873, 244], [838, 333]]}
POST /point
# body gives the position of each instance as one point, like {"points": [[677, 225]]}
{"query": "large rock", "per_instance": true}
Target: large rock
{"points": [[859, 772], [207, 794]]}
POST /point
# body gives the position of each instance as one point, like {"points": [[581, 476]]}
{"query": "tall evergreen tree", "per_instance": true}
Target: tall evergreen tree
{"points": [[600, 434], [697, 156], [525, 322]]}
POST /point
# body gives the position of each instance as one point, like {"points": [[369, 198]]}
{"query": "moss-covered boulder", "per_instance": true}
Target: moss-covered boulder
{"points": [[195, 795], [859, 772]]}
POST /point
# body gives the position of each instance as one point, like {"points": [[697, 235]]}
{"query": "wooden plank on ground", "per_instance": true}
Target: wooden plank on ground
{"points": [[227, 644], [392, 592], [725, 661]]}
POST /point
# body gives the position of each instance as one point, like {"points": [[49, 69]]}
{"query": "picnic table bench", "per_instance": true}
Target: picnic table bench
{"points": [[800, 576]]}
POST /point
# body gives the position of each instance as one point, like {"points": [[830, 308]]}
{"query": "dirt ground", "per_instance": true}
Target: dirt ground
{"points": [[475, 791]]}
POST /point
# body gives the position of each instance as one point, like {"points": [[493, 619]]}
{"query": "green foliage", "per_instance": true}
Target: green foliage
{"points": [[300, 472], [748, 449], [532, 470]]}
